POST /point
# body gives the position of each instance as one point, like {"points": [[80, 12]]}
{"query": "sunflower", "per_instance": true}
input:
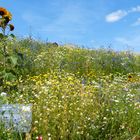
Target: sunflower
{"points": [[5, 14], [3, 11]]}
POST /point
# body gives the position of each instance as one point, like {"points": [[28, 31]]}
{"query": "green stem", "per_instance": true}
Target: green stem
{"points": [[4, 52]]}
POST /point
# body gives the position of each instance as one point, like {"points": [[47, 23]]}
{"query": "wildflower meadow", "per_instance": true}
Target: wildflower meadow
{"points": [[76, 93]]}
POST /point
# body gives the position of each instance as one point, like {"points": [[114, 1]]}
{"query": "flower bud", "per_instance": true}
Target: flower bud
{"points": [[11, 26]]}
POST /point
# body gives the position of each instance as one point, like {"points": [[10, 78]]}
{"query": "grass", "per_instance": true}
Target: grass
{"points": [[77, 94]]}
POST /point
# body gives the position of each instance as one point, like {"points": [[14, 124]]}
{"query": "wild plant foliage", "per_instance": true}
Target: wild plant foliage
{"points": [[76, 93]]}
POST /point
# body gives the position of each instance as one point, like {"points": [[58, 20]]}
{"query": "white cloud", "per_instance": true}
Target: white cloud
{"points": [[115, 16], [136, 23], [119, 14], [69, 22], [122, 40], [72, 21], [130, 41], [135, 9]]}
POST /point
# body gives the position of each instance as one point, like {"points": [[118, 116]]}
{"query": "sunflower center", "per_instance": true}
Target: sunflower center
{"points": [[1, 13]]}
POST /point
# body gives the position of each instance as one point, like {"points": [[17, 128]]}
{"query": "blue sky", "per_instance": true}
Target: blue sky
{"points": [[91, 23]]}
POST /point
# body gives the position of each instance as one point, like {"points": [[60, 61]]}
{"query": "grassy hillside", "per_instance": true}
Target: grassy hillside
{"points": [[42, 57], [77, 94]]}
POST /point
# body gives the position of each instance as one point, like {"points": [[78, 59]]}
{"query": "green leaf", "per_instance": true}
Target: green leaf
{"points": [[9, 76], [14, 60], [12, 35], [1, 36], [2, 73]]}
